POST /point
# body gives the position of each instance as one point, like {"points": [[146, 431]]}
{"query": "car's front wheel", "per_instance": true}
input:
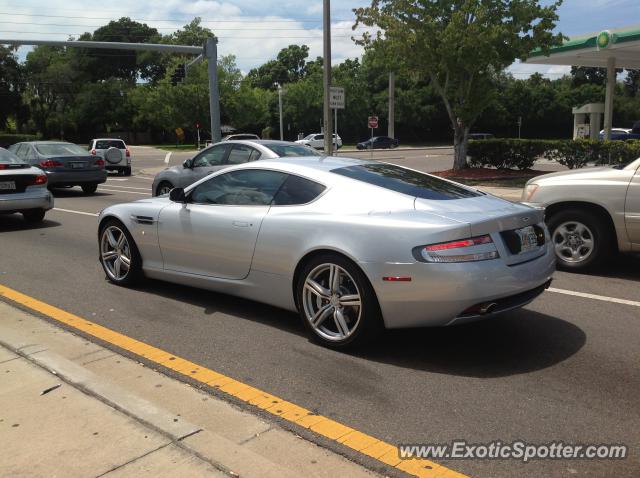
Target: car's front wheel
{"points": [[119, 255], [581, 240], [337, 303]]}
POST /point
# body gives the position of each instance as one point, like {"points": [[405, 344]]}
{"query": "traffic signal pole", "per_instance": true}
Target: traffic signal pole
{"points": [[210, 51]]}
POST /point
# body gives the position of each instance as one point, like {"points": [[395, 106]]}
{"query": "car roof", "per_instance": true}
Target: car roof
{"points": [[108, 139], [46, 142], [308, 163]]}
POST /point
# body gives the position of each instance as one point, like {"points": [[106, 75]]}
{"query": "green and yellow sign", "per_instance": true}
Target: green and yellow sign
{"points": [[604, 39]]}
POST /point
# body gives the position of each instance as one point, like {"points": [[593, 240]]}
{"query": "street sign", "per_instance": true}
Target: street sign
{"points": [[373, 122], [336, 98]]}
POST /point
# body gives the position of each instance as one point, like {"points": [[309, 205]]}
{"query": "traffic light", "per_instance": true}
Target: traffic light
{"points": [[178, 75]]}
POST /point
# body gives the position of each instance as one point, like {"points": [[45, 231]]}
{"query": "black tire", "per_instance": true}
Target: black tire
{"points": [[89, 188], [127, 171], [370, 323], [34, 216], [161, 186], [597, 230], [135, 271]]}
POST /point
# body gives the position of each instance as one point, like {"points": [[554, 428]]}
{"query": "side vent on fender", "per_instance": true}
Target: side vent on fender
{"points": [[148, 220]]}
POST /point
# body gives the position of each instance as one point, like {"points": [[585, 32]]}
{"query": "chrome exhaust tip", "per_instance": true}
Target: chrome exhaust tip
{"points": [[487, 308]]}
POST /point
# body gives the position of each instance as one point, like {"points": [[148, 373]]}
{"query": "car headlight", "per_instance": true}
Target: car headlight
{"points": [[529, 191]]}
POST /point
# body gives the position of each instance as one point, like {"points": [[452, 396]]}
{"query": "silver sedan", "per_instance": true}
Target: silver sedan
{"points": [[222, 155], [23, 188], [591, 212], [354, 246]]}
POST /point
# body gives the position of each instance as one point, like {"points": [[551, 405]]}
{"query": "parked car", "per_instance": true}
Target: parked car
{"points": [[23, 188], [65, 164], [222, 155], [481, 136], [316, 140], [248, 136], [620, 134], [591, 212], [418, 250], [115, 153], [379, 142]]}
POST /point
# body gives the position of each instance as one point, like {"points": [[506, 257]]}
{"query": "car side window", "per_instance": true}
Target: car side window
{"points": [[297, 190], [212, 156], [246, 187], [319, 137], [22, 151], [241, 153]]}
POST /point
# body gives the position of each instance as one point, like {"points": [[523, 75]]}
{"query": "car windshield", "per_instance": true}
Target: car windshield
{"points": [[60, 149], [406, 181], [292, 150], [309, 136], [7, 157], [110, 143]]}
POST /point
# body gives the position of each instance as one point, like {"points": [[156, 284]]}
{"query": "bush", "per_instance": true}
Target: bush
{"points": [[522, 153], [7, 139], [506, 153]]}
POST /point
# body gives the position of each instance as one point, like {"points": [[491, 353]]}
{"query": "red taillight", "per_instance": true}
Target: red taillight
{"points": [[93, 152], [99, 162], [38, 180], [50, 163], [127, 153], [3, 166], [474, 241]]}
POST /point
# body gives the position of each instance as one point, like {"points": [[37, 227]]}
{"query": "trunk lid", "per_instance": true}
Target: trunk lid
{"points": [[74, 163]]}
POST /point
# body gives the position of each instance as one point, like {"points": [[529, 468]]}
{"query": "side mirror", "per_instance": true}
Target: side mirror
{"points": [[188, 164], [177, 195]]}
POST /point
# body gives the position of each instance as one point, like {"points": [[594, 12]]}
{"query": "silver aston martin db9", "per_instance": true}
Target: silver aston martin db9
{"points": [[354, 246]]}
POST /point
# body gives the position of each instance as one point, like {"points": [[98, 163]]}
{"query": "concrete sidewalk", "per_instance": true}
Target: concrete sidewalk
{"points": [[69, 407]]}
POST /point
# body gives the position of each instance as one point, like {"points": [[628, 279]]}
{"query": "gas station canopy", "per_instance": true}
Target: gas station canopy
{"points": [[609, 49]]}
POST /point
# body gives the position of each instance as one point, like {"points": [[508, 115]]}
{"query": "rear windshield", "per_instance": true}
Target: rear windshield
{"points": [[7, 157], [60, 149], [292, 150], [110, 143], [405, 181]]}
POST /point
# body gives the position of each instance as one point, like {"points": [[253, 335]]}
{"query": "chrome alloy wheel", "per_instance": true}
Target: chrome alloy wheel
{"points": [[332, 302], [115, 253], [573, 242]]}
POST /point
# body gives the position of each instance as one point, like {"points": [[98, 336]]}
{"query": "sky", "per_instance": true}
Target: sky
{"points": [[255, 30]]}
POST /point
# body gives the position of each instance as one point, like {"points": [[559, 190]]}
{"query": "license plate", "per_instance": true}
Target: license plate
{"points": [[528, 238], [7, 185], [78, 165]]}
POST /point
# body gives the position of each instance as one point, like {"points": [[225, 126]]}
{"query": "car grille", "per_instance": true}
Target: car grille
{"points": [[21, 180]]}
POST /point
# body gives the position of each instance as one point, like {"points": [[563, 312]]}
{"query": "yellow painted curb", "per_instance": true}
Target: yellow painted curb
{"points": [[347, 436]]}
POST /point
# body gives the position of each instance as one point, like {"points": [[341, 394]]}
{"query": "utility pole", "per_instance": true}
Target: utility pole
{"points": [[211, 54], [392, 105], [280, 110], [326, 77]]}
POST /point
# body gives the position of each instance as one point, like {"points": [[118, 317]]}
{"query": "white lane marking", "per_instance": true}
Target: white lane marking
{"points": [[595, 297], [123, 191], [75, 212], [126, 187], [145, 177], [167, 158]]}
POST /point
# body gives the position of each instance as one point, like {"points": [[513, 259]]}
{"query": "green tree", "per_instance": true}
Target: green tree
{"points": [[10, 85], [460, 46]]}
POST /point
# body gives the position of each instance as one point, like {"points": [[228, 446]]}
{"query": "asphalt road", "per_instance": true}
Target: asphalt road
{"points": [[565, 368]]}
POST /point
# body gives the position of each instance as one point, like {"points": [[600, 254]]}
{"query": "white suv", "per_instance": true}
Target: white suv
{"points": [[115, 153], [316, 140]]}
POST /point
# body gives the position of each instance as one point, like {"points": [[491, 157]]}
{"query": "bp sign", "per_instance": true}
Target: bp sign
{"points": [[604, 39]]}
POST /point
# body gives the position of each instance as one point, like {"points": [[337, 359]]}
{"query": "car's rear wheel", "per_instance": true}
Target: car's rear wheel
{"points": [[127, 171], [34, 216], [164, 187], [119, 255], [89, 188], [581, 240], [337, 303]]}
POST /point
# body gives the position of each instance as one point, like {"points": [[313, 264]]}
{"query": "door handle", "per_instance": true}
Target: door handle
{"points": [[240, 223]]}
